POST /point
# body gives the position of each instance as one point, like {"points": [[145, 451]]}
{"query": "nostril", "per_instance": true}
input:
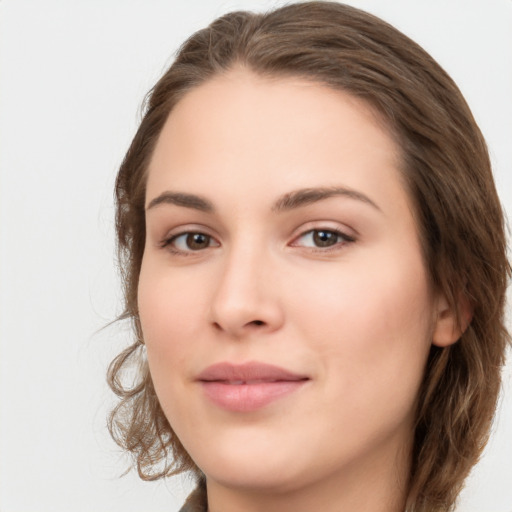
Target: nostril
{"points": [[257, 322]]}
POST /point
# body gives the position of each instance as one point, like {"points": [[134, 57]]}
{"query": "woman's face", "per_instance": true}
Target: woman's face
{"points": [[283, 298]]}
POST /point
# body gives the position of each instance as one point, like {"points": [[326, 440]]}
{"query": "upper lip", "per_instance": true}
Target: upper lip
{"points": [[248, 372]]}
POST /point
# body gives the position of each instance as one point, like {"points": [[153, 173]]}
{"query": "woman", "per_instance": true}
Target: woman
{"points": [[315, 268]]}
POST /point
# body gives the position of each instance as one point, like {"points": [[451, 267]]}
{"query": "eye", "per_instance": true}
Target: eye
{"points": [[322, 238], [190, 241]]}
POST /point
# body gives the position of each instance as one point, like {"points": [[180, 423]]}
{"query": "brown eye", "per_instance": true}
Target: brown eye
{"points": [[189, 242], [323, 238], [197, 241]]}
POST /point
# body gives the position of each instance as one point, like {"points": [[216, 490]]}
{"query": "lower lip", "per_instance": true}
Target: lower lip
{"points": [[248, 397]]}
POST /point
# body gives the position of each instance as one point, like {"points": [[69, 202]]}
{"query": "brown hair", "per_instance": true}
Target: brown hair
{"points": [[447, 171]]}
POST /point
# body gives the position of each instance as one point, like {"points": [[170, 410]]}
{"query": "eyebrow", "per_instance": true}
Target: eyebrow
{"points": [[305, 196], [290, 201], [181, 199]]}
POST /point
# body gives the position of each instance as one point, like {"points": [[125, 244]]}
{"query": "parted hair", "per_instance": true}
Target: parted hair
{"points": [[447, 173]]}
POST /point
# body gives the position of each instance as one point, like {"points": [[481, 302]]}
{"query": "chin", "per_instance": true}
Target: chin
{"points": [[250, 466]]}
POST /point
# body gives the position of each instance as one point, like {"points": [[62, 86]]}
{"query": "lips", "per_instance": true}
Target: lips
{"points": [[248, 387]]}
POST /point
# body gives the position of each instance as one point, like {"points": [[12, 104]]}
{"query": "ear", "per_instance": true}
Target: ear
{"points": [[448, 327]]}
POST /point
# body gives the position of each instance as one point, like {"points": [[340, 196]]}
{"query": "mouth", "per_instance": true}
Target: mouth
{"points": [[248, 387]]}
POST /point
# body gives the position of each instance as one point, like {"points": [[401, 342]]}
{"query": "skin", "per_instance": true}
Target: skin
{"points": [[357, 317]]}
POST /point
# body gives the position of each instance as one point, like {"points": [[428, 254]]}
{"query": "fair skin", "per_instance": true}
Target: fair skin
{"points": [[329, 286]]}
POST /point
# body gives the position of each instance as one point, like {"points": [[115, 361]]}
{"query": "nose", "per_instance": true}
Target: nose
{"points": [[247, 297]]}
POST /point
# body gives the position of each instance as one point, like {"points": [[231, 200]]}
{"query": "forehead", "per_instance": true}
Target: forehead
{"points": [[241, 130]]}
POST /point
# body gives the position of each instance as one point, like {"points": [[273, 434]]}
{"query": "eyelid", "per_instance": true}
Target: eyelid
{"points": [[325, 225], [167, 241], [348, 235]]}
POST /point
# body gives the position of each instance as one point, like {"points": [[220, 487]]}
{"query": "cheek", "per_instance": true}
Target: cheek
{"points": [[370, 322], [169, 309]]}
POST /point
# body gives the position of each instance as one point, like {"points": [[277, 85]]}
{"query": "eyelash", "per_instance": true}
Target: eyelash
{"points": [[169, 243], [342, 240]]}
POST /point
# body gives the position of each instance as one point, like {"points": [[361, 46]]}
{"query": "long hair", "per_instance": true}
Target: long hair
{"points": [[446, 169]]}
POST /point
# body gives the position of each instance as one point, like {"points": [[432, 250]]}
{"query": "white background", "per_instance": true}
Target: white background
{"points": [[73, 75]]}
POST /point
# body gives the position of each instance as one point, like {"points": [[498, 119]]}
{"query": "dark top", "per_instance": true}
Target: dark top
{"points": [[196, 502]]}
